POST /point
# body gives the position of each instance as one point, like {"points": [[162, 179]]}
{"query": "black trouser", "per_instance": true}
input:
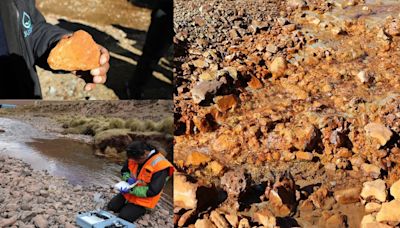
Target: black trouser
{"points": [[158, 39], [128, 211]]}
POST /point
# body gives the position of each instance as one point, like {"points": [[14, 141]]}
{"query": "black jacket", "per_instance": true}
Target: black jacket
{"points": [[29, 40]]}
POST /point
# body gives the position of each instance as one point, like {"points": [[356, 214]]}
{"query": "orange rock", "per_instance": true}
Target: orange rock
{"points": [[215, 168], [202, 124], [225, 142], [304, 156], [197, 158], [224, 103], [254, 83], [78, 52]]}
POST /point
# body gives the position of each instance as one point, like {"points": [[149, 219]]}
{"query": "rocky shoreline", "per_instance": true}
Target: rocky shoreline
{"points": [[30, 198]]}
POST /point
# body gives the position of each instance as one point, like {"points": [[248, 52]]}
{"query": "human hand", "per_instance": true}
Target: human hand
{"points": [[100, 74], [123, 190], [131, 180]]}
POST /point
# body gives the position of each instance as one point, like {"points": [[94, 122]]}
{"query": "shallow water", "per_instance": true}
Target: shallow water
{"points": [[61, 157]]}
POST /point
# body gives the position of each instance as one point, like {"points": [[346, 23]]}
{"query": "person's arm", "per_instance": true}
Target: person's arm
{"points": [[44, 35], [154, 187], [125, 173]]}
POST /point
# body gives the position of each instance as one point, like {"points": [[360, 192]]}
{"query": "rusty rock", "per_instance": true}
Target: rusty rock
{"points": [[225, 103], [255, 83], [301, 155], [197, 158], [78, 52], [224, 142], [347, 196]]}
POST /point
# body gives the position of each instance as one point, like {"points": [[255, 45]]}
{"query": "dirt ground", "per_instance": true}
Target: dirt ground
{"points": [[287, 112], [121, 28]]}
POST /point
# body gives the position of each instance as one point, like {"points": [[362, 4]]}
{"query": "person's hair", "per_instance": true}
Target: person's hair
{"points": [[136, 149]]}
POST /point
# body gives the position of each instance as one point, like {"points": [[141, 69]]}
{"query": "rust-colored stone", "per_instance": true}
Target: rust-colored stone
{"points": [[224, 103], [255, 83], [78, 52], [196, 158]]}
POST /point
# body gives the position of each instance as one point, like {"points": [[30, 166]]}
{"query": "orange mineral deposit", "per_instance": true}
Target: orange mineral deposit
{"points": [[78, 52]]}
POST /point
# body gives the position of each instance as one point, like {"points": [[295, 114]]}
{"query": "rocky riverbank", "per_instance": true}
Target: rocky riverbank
{"points": [[30, 198]]}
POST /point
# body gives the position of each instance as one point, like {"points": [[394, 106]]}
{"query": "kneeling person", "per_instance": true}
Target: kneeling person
{"points": [[150, 170]]}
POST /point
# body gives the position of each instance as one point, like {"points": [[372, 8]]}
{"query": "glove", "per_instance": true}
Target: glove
{"points": [[123, 190], [126, 176], [131, 180], [139, 191]]}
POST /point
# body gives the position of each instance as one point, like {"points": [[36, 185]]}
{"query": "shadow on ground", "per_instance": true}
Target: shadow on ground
{"points": [[120, 71]]}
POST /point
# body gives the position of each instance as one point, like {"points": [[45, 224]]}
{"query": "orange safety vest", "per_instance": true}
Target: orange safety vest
{"points": [[156, 163]]}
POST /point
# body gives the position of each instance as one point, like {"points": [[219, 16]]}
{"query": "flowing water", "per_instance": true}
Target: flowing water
{"points": [[61, 157]]}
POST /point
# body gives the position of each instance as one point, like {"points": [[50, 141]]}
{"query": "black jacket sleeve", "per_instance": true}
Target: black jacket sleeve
{"points": [[125, 168], [157, 182], [44, 35]]}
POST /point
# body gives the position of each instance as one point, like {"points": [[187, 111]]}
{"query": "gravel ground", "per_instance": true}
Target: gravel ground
{"points": [[287, 111]]}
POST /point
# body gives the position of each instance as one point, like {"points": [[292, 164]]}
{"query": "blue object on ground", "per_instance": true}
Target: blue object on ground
{"points": [[101, 219], [7, 106]]}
